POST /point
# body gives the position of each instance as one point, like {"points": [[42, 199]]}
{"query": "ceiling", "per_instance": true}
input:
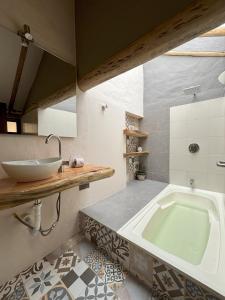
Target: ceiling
{"points": [[105, 27], [107, 30]]}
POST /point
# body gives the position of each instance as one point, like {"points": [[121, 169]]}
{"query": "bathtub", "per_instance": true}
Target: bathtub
{"points": [[186, 228]]}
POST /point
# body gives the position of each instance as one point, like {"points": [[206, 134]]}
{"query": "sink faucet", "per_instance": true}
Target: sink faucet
{"points": [[48, 138]]}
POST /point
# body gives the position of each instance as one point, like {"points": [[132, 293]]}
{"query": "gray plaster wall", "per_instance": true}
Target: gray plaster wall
{"points": [[165, 78]]}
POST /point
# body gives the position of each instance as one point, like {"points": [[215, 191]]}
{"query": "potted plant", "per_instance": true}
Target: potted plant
{"points": [[141, 174]]}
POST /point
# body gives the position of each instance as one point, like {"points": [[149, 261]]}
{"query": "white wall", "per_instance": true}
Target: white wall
{"points": [[126, 90], [100, 141], [202, 123]]}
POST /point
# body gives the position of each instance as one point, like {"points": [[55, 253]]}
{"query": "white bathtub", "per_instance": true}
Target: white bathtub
{"points": [[185, 228]]}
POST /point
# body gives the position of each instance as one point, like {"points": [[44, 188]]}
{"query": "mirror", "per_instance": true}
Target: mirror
{"points": [[37, 90]]}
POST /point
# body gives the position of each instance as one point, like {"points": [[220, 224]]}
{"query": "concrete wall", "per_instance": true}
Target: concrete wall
{"points": [[100, 141], [164, 80]]}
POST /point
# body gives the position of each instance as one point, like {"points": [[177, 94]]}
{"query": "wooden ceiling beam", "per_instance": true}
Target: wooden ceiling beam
{"points": [[215, 32], [197, 18], [196, 53]]}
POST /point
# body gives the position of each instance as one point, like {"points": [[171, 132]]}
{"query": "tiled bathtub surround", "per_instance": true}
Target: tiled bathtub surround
{"points": [[164, 281], [202, 123]]}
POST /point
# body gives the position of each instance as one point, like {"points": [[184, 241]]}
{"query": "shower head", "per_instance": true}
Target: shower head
{"points": [[193, 90]]}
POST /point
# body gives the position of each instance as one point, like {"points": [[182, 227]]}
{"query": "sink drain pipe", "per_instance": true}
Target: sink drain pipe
{"points": [[34, 222]]}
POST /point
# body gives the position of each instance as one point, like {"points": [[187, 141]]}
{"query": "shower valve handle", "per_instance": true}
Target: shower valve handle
{"points": [[221, 164]]}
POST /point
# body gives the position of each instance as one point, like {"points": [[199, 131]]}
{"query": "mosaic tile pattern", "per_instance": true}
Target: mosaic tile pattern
{"points": [[19, 292], [97, 289], [68, 278], [170, 284], [105, 239], [33, 270], [166, 282], [96, 261], [9, 287], [97, 277], [58, 292], [113, 273], [131, 121], [65, 263], [39, 284], [132, 144], [110, 272]]}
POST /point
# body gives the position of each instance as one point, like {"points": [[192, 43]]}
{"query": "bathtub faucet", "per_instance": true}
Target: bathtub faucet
{"points": [[191, 181]]}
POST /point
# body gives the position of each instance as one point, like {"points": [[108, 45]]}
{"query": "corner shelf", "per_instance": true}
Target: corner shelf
{"points": [[135, 133], [138, 117], [13, 193], [136, 154]]}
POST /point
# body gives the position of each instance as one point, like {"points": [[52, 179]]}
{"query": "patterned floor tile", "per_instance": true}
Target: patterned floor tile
{"points": [[110, 272], [78, 278], [41, 283], [7, 288], [96, 261], [97, 289], [34, 269], [113, 273], [65, 263], [57, 292], [19, 292]]}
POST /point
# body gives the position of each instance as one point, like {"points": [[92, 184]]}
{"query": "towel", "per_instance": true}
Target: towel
{"points": [[76, 162]]}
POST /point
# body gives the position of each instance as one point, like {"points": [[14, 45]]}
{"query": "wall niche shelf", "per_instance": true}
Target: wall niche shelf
{"points": [[13, 193], [129, 114], [136, 154], [135, 133]]}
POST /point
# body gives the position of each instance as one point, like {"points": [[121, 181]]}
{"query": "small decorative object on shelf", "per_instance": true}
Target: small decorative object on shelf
{"points": [[141, 175], [139, 149], [131, 127]]}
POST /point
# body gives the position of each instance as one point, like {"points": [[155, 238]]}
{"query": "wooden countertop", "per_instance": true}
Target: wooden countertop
{"points": [[13, 193]]}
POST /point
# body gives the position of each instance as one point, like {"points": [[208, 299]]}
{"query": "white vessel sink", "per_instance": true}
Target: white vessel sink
{"points": [[32, 170]]}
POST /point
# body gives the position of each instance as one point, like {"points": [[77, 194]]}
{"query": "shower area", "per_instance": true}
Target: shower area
{"points": [[190, 74]]}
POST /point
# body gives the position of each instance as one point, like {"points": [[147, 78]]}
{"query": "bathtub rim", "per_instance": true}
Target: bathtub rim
{"points": [[215, 281]]}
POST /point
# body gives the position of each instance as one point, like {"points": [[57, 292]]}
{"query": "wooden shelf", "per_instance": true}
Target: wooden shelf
{"points": [[136, 133], [134, 115], [134, 154], [13, 193]]}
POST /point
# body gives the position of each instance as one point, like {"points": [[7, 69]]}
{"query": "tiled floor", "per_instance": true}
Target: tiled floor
{"points": [[81, 273]]}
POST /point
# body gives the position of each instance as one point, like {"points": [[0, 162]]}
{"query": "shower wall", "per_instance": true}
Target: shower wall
{"points": [[202, 123], [164, 80]]}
